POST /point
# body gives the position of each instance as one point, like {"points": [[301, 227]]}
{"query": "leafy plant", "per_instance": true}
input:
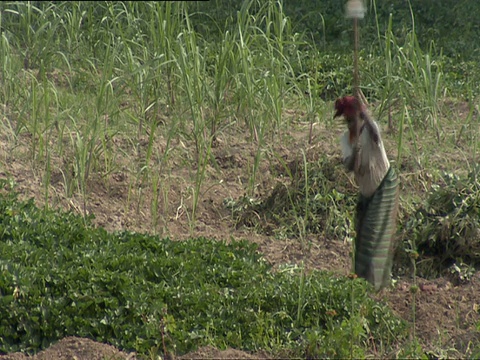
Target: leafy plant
{"points": [[60, 277]]}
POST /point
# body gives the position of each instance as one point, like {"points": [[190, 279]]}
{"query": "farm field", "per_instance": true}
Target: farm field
{"points": [[172, 185]]}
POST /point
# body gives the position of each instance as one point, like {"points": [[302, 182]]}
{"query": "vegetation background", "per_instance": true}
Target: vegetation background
{"points": [[211, 122]]}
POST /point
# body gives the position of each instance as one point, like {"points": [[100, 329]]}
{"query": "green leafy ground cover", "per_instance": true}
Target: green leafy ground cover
{"points": [[61, 277]]}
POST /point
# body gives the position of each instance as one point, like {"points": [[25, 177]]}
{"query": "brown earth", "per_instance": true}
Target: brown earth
{"points": [[445, 313]]}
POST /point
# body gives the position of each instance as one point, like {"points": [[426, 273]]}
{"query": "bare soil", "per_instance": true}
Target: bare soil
{"points": [[446, 314]]}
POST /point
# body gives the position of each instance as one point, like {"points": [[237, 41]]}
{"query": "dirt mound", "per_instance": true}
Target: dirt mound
{"points": [[209, 352], [444, 314], [76, 348]]}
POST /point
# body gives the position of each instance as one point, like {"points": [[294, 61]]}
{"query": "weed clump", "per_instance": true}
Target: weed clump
{"points": [[315, 197], [445, 229]]}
